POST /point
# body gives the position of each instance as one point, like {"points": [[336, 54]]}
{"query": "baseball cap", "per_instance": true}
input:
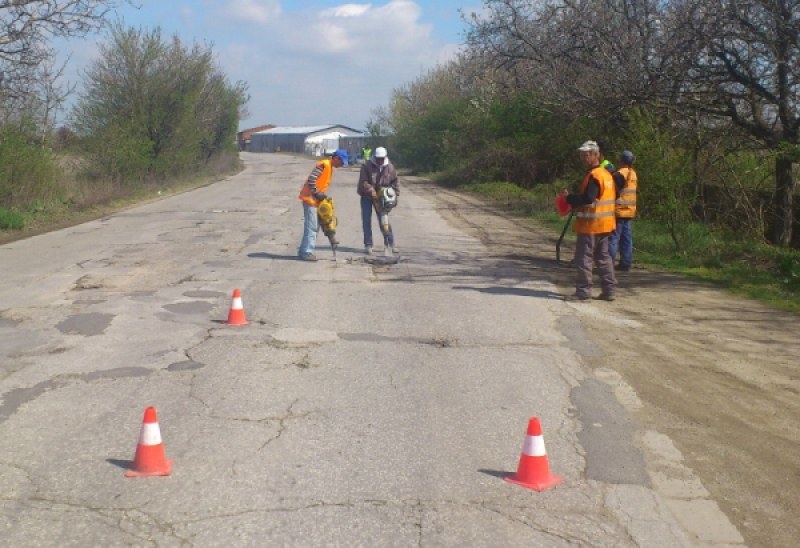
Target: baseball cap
{"points": [[589, 146], [627, 157], [380, 152], [341, 153]]}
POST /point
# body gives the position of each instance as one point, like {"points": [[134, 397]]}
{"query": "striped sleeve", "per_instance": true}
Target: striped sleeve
{"points": [[312, 179]]}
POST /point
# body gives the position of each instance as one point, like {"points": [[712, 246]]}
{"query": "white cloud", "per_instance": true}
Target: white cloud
{"points": [[305, 66], [333, 38], [393, 30], [347, 10], [335, 65], [249, 11]]}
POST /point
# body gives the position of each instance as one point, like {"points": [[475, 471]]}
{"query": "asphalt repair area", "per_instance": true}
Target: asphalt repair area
{"points": [[360, 402]]}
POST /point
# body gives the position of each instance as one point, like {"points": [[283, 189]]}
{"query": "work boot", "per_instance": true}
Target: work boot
{"points": [[395, 249], [309, 257], [623, 267], [368, 250], [576, 298], [606, 297]]}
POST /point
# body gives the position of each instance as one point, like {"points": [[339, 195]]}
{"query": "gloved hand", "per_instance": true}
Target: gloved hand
{"points": [[319, 196]]}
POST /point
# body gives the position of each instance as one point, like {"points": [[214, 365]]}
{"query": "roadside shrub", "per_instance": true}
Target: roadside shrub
{"points": [[11, 220], [789, 267], [154, 109], [667, 193], [28, 170]]}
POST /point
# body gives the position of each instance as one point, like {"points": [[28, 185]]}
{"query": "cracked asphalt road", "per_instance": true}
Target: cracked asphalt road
{"points": [[364, 404]]}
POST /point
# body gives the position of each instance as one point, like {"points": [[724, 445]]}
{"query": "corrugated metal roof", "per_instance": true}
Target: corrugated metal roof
{"points": [[299, 130], [303, 130]]}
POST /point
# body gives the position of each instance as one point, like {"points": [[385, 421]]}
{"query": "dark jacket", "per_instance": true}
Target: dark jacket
{"points": [[373, 177]]}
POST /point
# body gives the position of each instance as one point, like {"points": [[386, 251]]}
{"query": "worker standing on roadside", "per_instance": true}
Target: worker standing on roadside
{"points": [[605, 162], [378, 173], [366, 154], [626, 182], [311, 194], [595, 221]]}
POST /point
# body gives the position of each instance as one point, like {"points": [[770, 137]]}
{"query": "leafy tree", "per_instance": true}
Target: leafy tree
{"points": [[155, 108], [218, 112], [665, 163], [424, 140], [424, 117]]}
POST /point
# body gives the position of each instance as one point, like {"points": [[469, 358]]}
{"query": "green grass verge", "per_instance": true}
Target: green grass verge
{"points": [[11, 220], [41, 216]]}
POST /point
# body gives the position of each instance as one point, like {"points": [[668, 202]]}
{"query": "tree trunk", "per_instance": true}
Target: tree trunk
{"points": [[784, 201]]}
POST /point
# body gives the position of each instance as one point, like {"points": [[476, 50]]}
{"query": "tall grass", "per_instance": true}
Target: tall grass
{"points": [[28, 171]]}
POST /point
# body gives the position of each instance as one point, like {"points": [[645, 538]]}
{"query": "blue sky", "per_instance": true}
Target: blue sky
{"points": [[305, 62]]}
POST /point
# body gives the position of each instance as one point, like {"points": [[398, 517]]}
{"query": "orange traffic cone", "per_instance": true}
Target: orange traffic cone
{"points": [[534, 471], [150, 459], [236, 314]]}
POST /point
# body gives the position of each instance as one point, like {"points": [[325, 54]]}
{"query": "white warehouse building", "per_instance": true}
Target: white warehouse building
{"points": [[312, 140]]}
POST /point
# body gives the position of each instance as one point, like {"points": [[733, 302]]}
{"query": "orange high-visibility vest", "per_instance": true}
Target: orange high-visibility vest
{"points": [[323, 180], [597, 217], [626, 201]]}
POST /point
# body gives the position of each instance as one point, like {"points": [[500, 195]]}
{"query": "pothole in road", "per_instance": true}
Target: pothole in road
{"points": [[88, 282]]}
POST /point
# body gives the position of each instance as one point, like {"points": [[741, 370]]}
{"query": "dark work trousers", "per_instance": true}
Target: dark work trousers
{"points": [[591, 249], [367, 208], [622, 241]]}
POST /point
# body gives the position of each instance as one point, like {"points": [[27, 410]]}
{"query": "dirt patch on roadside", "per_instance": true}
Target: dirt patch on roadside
{"points": [[717, 373]]}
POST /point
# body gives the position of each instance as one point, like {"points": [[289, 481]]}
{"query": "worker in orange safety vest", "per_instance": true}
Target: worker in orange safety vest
{"points": [[311, 194], [595, 221], [626, 182]]}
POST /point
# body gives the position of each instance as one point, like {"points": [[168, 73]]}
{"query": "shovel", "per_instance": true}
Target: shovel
{"points": [[561, 238]]}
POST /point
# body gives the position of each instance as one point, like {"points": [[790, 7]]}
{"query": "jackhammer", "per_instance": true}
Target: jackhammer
{"points": [[326, 213], [384, 201]]}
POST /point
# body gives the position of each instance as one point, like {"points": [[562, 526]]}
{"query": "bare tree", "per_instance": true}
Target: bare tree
{"points": [[716, 63], [589, 57], [741, 63], [379, 122], [25, 27]]}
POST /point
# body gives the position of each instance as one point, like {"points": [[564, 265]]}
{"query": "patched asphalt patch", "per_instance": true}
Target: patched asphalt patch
{"points": [[194, 307], [88, 325], [187, 365], [608, 436], [201, 294]]}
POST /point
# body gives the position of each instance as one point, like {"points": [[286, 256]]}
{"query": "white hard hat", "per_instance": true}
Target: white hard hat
{"points": [[380, 152]]}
